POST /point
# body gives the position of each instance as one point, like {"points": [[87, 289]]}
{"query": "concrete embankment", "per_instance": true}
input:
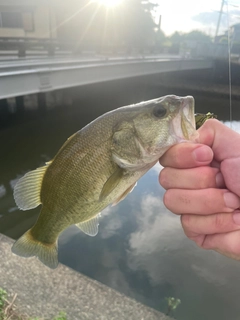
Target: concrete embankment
{"points": [[42, 292]]}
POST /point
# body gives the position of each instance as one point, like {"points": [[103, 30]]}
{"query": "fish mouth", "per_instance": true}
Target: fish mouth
{"points": [[187, 117], [184, 123]]}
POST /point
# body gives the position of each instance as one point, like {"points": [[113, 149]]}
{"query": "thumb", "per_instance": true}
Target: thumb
{"points": [[225, 144], [224, 141]]}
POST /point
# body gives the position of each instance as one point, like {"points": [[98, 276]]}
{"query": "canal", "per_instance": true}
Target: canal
{"points": [[140, 249]]}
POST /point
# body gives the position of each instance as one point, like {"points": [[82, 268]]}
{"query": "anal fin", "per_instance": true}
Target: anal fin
{"points": [[90, 227]]}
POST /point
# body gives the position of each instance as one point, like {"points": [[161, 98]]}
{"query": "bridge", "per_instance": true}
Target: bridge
{"points": [[19, 77]]}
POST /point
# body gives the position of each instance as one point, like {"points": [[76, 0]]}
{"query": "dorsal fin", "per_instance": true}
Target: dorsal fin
{"points": [[28, 188]]}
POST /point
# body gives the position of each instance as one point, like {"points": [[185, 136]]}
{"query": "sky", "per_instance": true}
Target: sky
{"points": [[187, 15]]}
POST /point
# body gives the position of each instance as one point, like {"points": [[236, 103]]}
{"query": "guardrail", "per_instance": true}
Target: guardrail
{"points": [[23, 46], [51, 46]]}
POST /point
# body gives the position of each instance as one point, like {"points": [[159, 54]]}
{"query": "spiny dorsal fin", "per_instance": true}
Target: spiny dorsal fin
{"points": [[90, 227], [111, 183], [65, 143], [28, 188]]}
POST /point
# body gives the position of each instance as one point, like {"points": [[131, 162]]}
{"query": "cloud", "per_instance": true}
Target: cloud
{"points": [[160, 248], [209, 19]]}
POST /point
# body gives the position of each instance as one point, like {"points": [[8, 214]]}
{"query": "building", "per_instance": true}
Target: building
{"points": [[27, 19]]}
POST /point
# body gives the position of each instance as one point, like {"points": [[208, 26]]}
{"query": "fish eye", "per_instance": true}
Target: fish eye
{"points": [[159, 111]]}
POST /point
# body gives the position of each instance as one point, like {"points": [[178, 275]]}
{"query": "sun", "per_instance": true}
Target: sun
{"points": [[109, 3]]}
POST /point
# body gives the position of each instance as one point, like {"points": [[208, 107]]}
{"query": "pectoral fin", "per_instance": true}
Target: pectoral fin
{"points": [[111, 183], [90, 227], [125, 193]]}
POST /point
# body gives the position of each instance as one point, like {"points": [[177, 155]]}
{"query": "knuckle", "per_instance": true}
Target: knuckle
{"points": [[178, 155], [209, 204], [205, 177], [219, 222], [210, 123]]}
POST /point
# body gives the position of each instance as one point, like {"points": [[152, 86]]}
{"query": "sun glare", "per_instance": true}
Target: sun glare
{"points": [[109, 3]]}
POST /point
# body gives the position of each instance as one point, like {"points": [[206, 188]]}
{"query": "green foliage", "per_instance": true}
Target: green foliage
{"points": [[61, 316], [223, 40], [6, 312], [173, 303], [3, 297], [176, 37], [197, 35], [160, 37]]}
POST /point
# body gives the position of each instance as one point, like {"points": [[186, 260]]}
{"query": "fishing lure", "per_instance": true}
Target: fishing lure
{"points": [[200, 118]]}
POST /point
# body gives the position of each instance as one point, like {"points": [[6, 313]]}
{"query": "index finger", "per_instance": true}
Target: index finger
{"points": [[187, 155]]}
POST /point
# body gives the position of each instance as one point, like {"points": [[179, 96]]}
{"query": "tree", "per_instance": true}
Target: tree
{"points": [[198, 36], [176, 37]]}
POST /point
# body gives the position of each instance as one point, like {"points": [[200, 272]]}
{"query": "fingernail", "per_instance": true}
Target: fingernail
{"points": [[231, 200], [203, 154], [219, 180], [236, 217]]}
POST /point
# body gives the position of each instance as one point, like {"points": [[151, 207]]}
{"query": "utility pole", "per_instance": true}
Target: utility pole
{"points": [[219, 20], [159, 22]]}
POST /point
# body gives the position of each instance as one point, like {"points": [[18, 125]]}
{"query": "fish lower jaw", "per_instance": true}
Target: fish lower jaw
{"points": [[183, 130]]}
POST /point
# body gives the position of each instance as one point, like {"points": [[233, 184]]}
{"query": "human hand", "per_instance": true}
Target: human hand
{"points": [[203, 186]]}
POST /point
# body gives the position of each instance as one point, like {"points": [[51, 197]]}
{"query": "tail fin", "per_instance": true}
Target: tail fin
{"points": [[27, 246]]}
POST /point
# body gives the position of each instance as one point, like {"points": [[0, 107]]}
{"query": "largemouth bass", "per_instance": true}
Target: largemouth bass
{"points": [[97, 166]]}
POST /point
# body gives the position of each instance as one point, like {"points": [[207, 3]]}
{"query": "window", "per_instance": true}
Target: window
{"points": [[11, 20]]}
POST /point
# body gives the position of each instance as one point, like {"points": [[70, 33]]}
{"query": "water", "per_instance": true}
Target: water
{"points": [[140, 250]]}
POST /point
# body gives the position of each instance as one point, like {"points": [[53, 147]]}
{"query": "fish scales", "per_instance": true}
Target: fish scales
{"points": [[97, 166]]}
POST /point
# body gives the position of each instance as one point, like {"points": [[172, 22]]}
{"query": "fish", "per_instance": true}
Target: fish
{"points": [[97, 166]]}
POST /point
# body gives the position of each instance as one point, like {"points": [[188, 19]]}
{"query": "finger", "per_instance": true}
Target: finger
{"points": [[230, 168], [195, 178], [224, 141], [187, 155], [215, 223], [227, 244], [182, 201]]}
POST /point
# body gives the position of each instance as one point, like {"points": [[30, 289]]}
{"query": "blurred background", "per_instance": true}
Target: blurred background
{"points": [[118, 26], [65, 62]]}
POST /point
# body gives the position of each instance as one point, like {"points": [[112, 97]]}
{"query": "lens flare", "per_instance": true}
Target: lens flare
{"points": [[109, 3]]}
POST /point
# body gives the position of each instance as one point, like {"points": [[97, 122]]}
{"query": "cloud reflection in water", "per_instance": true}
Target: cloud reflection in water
{"points": [[141, 250]]}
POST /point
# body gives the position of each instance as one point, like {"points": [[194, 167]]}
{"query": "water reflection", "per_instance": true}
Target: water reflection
{"points": [[2, 191], [142, 251], [235, 125]]}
